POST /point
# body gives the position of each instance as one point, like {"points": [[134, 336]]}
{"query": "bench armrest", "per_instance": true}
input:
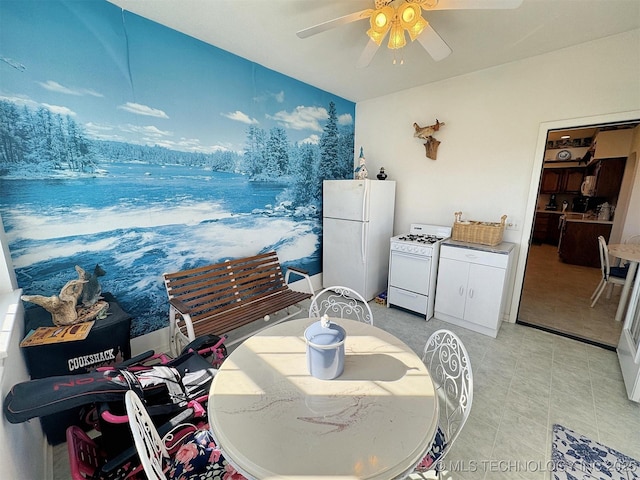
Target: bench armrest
{"points": [[178, 305], [301, 273]]}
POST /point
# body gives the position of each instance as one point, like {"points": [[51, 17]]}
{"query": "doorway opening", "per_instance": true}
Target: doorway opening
{"points": [[583, 192]]}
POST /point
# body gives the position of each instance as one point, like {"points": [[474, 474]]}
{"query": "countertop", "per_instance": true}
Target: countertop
{"points": [[559, 212], [589, 220], [502, 248], [578, 217]]}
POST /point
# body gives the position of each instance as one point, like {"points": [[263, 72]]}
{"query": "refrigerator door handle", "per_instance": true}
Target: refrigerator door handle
{"points": [[363, 244], [365, 202]]}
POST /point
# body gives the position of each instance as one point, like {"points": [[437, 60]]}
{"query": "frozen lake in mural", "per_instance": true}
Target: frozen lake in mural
{"points": [[139, 220]]}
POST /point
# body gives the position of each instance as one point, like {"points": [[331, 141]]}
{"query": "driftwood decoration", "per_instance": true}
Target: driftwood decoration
{"points": [[61, 307], [426, 133], [92, 290], [431, 146]]}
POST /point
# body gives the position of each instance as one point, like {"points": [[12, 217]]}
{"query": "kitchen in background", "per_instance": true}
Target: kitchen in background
{"points": [[580, 186]]}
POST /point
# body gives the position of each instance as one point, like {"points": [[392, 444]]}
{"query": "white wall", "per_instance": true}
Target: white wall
{"points": [[487, 158], [24, 448], [8, 281]]}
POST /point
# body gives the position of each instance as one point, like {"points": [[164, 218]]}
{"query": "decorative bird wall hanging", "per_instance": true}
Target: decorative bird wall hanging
{"points": [[426, 133]]}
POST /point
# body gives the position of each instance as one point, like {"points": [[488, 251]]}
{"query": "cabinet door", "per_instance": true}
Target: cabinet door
{"points": [[573, 180], [541, 227], [484, 295], [553, 230], [551, 180], [610, 176], [452, 287], [579, 244]]}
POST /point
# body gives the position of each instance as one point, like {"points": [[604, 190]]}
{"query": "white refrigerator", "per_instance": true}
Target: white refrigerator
{"points": [[357, 226]]}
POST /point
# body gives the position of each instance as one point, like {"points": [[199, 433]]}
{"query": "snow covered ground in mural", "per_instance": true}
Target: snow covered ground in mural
{"points": [[132, 222]]}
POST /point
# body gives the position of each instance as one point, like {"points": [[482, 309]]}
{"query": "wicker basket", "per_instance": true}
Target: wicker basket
{"points": [[486, 233]]}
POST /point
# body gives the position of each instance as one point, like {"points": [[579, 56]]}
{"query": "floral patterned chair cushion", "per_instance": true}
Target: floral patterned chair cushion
{"points": [[435, 452], [198, 458]]}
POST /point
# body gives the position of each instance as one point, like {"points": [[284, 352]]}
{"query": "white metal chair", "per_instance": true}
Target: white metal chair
{"points": [[161, 458], [633, 240], [610, 275], [448, 363], [341, 302], [150, 447]]}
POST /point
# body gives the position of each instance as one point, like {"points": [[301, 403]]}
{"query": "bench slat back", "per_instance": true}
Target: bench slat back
{"points": [[225, 285]]}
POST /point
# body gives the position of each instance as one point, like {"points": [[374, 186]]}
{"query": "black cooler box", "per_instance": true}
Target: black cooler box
{"points": [[107, 344]]}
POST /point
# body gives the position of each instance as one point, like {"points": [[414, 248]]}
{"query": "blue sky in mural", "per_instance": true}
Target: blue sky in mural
{"points": [[159, 87]]}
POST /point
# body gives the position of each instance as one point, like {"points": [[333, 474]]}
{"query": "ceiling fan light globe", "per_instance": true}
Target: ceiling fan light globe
{"points": [[376, 36], [409, 14], [417, 28], [380, 20], [396, 38]]}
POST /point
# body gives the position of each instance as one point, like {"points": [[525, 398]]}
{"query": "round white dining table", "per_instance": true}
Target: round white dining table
{"points": [[273, 420], [631, 253]]}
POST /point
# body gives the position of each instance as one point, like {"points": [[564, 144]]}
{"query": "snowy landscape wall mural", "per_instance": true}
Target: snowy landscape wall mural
{"points": [[126, 144]]}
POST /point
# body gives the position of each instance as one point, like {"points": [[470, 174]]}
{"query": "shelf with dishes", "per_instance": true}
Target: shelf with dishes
{"points": [[566, 156]]}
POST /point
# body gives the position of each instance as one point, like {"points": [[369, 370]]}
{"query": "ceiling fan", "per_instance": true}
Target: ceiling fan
{"points": [[406, 17]]}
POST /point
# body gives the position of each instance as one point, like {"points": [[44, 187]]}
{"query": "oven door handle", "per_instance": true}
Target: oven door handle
{"points": [[411, 255]]}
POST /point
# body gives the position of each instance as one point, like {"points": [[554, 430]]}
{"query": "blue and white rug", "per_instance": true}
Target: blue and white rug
{"points": [[576, 457]]}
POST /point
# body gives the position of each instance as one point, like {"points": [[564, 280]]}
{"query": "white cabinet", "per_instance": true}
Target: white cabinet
{"points": [[613, 143], [470, 287]]}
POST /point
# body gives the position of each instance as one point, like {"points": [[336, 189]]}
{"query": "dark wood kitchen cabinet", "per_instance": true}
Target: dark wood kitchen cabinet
{"points": [[551, 180], [561, 180], [545, 228], [573, 180], [579, 242], [609, 172]]}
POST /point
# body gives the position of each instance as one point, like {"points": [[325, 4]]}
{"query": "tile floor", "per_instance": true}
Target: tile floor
{"points": [[556, 295], [524, 381]]}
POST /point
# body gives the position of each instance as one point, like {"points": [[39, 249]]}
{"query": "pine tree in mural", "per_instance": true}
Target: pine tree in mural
{"points": [[345, 152], [13, 138], [329, 159], [254, 162], [51, 141], [277, 153], [306, 183]]}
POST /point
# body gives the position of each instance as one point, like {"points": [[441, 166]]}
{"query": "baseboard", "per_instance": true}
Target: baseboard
{"points": [[158, 341]]}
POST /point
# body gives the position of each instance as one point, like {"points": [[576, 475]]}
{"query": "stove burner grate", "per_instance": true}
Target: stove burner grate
{"points": [[420, 238]]}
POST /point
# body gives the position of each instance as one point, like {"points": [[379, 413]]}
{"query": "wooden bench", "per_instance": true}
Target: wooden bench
{"points": [[219, 298]]}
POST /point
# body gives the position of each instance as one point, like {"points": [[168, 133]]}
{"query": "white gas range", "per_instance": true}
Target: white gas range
{"points": [[413, 268]]}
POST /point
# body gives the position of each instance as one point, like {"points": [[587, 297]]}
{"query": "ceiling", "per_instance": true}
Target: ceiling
{"points": [[264, 31]]}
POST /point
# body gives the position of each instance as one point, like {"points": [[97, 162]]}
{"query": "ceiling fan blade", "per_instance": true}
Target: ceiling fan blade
{"points": [[471, 4], [434, 44], [367, 54], [336, 22]]}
